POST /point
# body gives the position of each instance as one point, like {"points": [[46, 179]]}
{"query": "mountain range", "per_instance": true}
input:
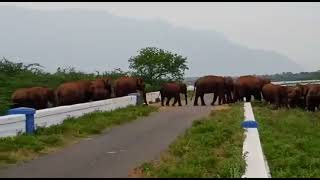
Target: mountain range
{"points": [[98, 40]]}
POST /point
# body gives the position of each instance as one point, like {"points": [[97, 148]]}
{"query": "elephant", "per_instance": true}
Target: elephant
{"points": [[209, 84], [34, 97], [73, 92], [171, 89], [229, 89], [126, 85], [101, 89], [275, 94], [313, 97], [246, 86], [295, 96]]}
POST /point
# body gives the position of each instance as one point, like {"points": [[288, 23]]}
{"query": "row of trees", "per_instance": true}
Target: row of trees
{"points": [[289, 76], [153, 64]]}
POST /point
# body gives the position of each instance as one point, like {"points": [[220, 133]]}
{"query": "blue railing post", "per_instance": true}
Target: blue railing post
{"points": [[29, 113]]}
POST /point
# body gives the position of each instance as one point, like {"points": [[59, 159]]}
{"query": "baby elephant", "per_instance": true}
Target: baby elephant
{"points": [[169, 90]]}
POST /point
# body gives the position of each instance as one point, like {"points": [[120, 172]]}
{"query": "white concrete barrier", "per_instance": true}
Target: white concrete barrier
{"points": [[190, 88], [54, 116], [257, 166], [11, 125], [152, 96]]}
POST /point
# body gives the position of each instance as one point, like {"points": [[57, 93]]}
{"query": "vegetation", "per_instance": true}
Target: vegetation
{"points": [[290, 140], [212, 147], [19, 75], [26, 147], [157, 66], [288, 76], [154, 65]]}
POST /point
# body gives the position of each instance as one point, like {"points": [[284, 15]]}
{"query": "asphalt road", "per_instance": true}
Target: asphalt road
{"points": [[116, 152]]}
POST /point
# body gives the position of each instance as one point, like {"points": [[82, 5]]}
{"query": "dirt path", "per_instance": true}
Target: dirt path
{"points": [[118, 151]]}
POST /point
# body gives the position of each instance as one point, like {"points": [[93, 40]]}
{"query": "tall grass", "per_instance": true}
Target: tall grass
{"points": [[290, 140]]}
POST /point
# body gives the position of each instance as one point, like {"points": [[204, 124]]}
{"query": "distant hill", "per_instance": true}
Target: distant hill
{"points": [[97, 40]]}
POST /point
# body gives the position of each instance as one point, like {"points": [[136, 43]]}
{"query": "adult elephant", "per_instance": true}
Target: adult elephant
{"points": [[126, 85], [173, 90], [246, 86], [295, 96], [73, 93], [229, 89], [209, 84], [313, 97], [100, 89], [34, 97], [275, 94]]}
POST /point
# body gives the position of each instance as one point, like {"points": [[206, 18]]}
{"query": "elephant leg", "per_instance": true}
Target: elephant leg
{"points": [[277, 102], [202, 100], [310, 104], [196, 99], [168, 100], [162, 100], [248, 97], [242, 94], [257, 95], [179, 100], [221, 97], [175, 101], [214, 99]]}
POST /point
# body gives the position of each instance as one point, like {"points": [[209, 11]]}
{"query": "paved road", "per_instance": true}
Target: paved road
{"points": [[116, 152]]}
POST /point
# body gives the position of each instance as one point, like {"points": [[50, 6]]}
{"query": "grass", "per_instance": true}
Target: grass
{"points": [[25, 147], [212, 147], [290, 140]]}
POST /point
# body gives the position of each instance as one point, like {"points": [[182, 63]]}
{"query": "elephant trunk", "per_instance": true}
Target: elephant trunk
{"points": [[144, 97]]}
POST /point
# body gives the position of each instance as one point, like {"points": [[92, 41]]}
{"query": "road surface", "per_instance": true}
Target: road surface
{"points": [[116, 152]]}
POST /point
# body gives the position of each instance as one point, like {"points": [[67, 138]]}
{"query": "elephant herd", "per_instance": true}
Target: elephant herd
{"points": [[225, 90], [75, 92], [231, 90]]}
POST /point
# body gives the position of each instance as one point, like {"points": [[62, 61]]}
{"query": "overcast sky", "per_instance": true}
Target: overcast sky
{"points": [[291, 28]]}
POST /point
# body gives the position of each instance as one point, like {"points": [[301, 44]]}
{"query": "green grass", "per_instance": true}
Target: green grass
{"points": [[290, 140], [212, 147], [26, 147]]}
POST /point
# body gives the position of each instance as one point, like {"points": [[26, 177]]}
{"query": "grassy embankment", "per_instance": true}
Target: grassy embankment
{"points": [[290, 140]]}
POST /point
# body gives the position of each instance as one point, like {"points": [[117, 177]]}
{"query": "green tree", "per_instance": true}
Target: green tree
{"points": [[157, 65]]}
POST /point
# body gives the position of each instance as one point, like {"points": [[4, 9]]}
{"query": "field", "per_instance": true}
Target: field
{"points": [[290, 140], [212, 147], [26, 147]]}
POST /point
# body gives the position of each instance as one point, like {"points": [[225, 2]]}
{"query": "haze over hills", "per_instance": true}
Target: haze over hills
{"points": [[97, 40]]}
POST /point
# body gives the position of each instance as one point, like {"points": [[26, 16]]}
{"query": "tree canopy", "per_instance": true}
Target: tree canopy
{"points": [[156, 65]]}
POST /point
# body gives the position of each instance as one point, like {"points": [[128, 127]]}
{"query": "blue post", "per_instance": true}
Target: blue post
{"points": [[249, 124], [29, 112]]}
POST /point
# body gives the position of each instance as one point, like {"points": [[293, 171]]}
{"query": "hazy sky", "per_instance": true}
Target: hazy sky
{"points": [[291, 28]]}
